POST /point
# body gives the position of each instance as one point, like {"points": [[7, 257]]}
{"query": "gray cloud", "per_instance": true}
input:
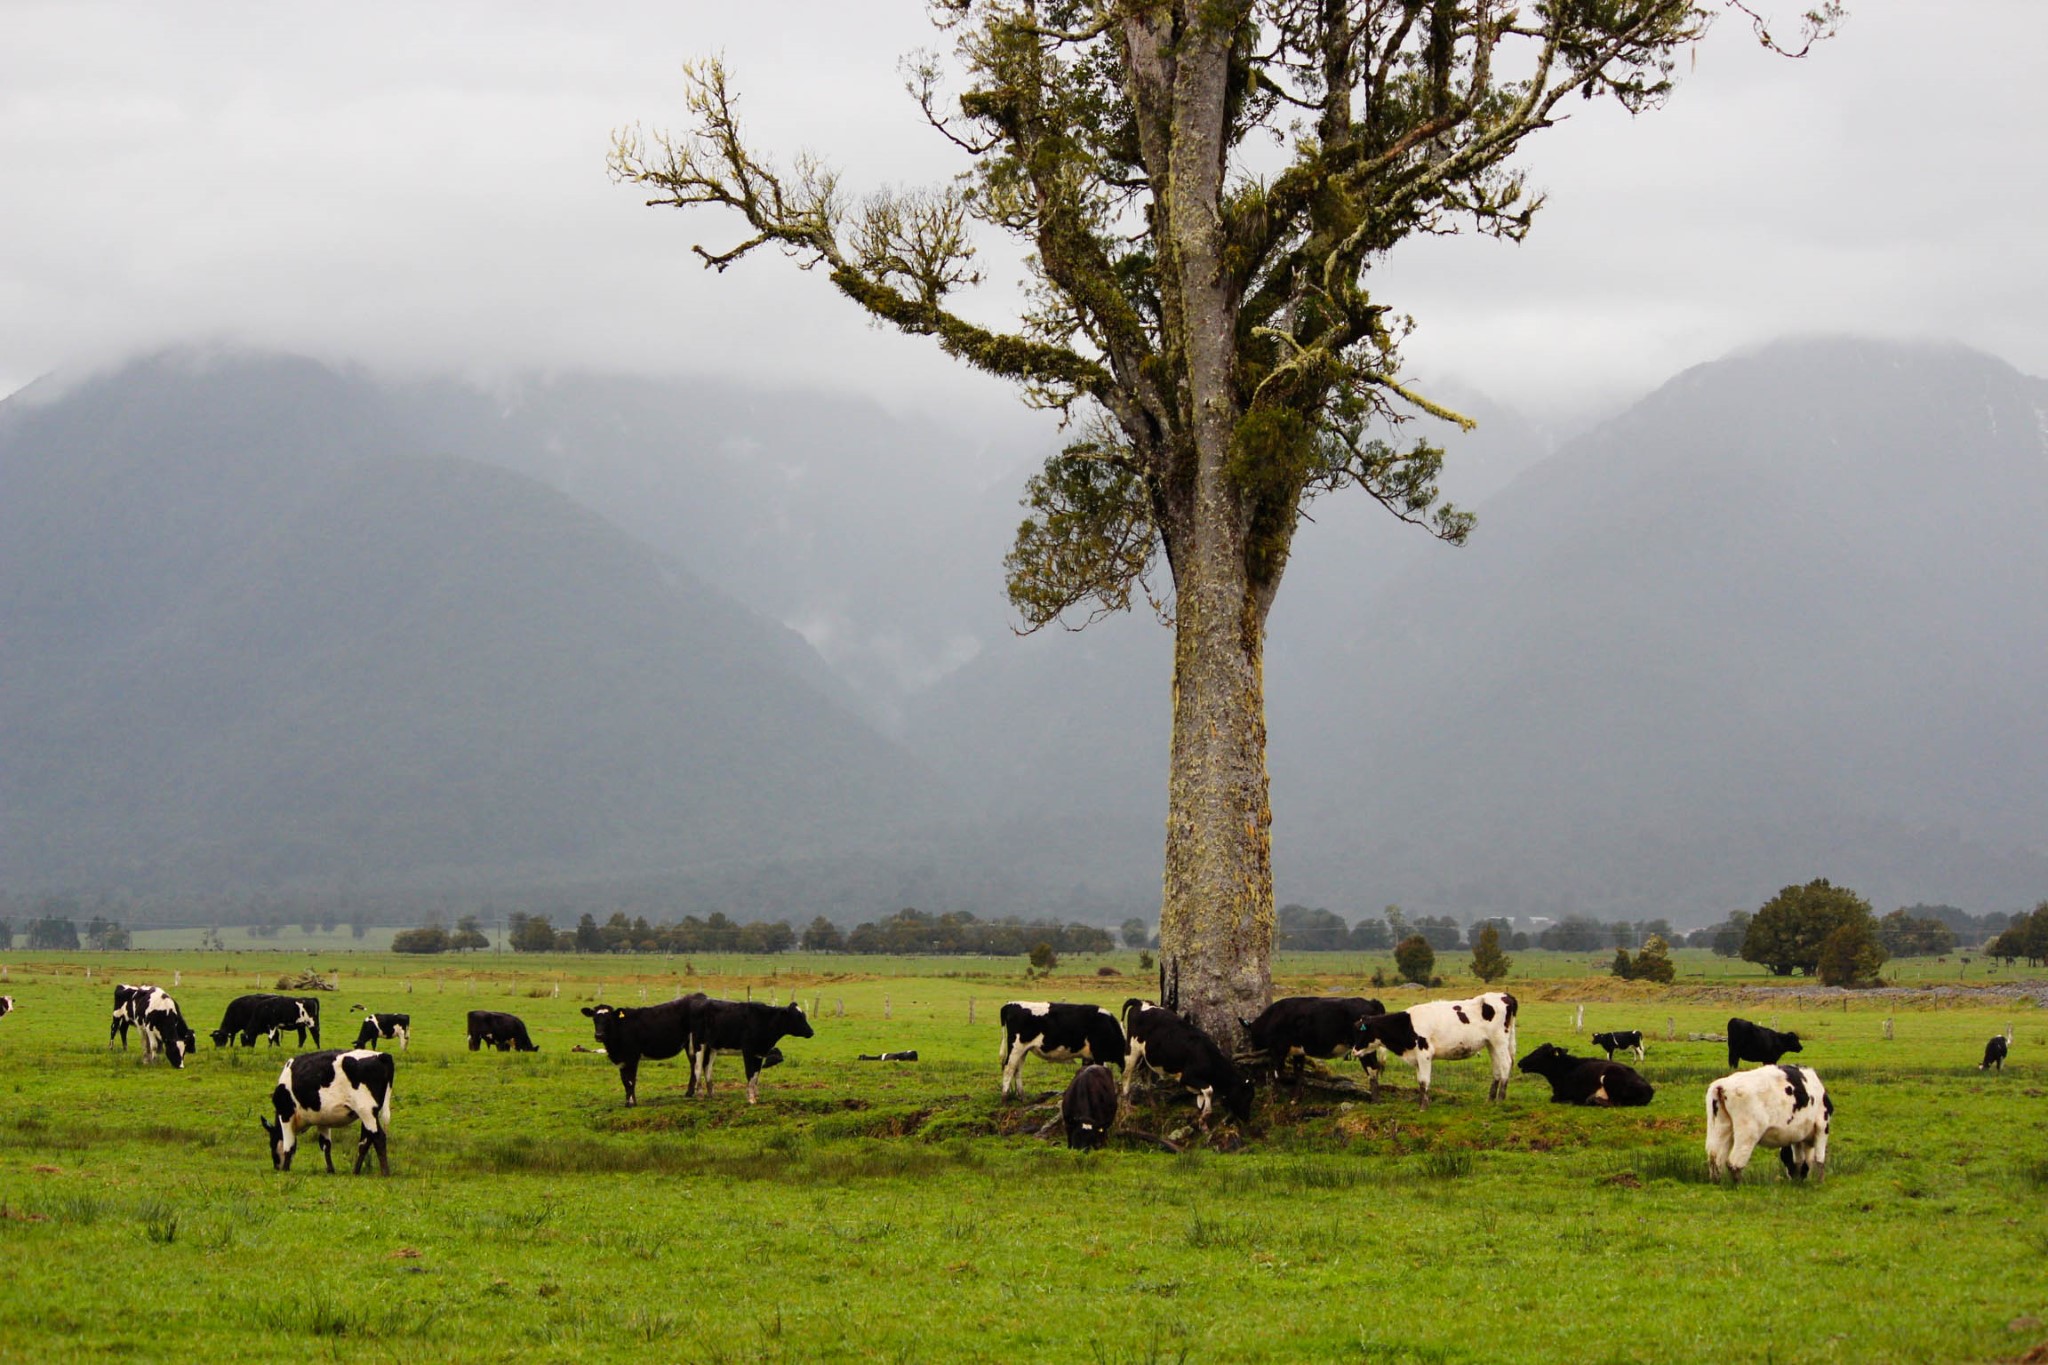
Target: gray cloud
{"points": [[423, 185]]}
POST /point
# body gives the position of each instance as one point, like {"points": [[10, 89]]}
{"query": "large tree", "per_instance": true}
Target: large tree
{"points": [[1203, 187]]}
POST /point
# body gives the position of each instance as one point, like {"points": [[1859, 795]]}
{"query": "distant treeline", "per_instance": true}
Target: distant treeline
{"points": [[906, 931], [57, 931]]}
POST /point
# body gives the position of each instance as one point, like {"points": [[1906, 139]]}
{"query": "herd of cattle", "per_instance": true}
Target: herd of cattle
{"points": [[1783, 1107]]}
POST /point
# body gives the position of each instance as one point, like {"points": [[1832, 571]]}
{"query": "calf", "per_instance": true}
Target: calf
{"points": [[1449, 1030], [1088, 1109], [1304, 1026], [1171, 1046], [127, 1002], [1749, 1042], [1994, 1052], [1773, 1106], [324, 1090], [163, 1028], [505, 1032], [1057, 1032], [747, 1027], [248, 1015], [656, 1031], [376, 1026], [1586, 1080], [1631, 1041]]}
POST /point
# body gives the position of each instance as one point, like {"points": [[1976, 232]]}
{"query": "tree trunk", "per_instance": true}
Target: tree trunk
{"points": [[1216, 918]]}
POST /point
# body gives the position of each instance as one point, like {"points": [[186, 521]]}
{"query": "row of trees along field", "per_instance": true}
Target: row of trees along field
{"points": [[907, 931], [1199, 193]]}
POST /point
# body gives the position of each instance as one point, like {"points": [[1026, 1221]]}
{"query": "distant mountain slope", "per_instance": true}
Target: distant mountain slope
{"points": [[1787, 617], [257, 635]]}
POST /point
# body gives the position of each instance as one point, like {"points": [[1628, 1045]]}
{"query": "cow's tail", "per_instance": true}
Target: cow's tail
{"points": [[1131, 1007], [1512, 1005], [1713, 1101]]}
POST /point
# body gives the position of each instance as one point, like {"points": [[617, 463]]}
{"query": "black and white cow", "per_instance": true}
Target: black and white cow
{"points": [[748, 1027], [1586, 1080], [127, 1005], [376, 1026], [324, 1090], [1057, 1032], [1994, 1052], [1303, 1026], [1088, 1109], [1447, 1030], [1171, 1046], [1772, 1106], [270, 1015], [505, 1032], [1749, 1042], [1618, 1041], [657, 1032], [6, 1005], [163, 1028]]}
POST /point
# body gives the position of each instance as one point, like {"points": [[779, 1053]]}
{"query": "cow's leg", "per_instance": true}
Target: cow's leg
{"points": [[1422, 1076], [475, 1041], [404, 1038], [1013, 1064], [629, 1076], [753, 1065], [326, 1148], [1743, 1137], [710, 1056], [1202, 1099], [1134, 1055], [1503, 1072]]}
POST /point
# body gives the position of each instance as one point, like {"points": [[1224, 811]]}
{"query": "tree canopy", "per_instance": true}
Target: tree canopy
{"points": [[1787, 934]]}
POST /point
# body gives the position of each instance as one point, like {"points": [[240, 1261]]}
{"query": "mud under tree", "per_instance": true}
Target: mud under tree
{"points": [[1206, 327]]}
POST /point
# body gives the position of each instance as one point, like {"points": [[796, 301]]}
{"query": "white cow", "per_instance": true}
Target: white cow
{"points": [[1448, 1030], [1773, 1106], [324, 1090]]}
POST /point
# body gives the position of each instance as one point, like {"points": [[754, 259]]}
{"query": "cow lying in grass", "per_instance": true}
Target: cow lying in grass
{"points": [[1586, 1080], [1448, 1030], [1772, 1106], [324, 1090]]}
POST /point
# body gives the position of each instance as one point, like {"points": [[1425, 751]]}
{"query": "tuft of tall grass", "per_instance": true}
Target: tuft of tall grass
{"points": [[1452, 1163]]}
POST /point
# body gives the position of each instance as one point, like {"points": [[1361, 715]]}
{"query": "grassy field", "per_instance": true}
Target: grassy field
{"points": [[900, 1211]]}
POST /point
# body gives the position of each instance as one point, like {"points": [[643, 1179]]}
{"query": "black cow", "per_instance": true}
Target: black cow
{"points": [[127, 1009], [747, 1027], [505, 1032], [1171, 1046], [376, 1026], [1586, 1080], [1994, 1052], [1088, 1109], [1749, 1042], [652, 1031], [1618, 1041], [1057, 1032], [1303, 1026], [6, 1005], [324, 1090], [248, 1015], [163, 1028]]}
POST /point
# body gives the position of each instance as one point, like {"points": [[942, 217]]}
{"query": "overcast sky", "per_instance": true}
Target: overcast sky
{"points": [[424, 185]]}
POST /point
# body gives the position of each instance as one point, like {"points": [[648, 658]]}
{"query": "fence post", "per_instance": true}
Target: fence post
{"points": [[1887, 1028], [750, 992], [970, 1010], [1579, 1020], [842, 1007], [885, 1008], [177, 979], [1670, 1029]]}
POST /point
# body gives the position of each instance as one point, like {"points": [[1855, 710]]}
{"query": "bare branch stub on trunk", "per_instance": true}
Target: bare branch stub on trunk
{"points": [[1209, 330]]}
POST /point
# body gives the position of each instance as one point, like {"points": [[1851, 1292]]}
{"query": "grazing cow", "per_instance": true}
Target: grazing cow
{"points": [[1994, 1052], [1773, 1106], [163, 1028], [505, 1032], [1448, 1030], [377, 1026], [248, 1015], [1088, 1109], [324, 1090], [1057, 1032], [6, 1005], [1304, 1026], [1630, 1041], [1586, 1080], [748, 1027], [654, 1031], [1749, 1042], [127, 1002], [1171, 1046]]}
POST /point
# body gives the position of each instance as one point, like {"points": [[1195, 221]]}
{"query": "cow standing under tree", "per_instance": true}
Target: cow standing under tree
{"points": [[327, 1090], [1088, 1109], [1303, 1026], [1168, 1045], [1058, 1032]]}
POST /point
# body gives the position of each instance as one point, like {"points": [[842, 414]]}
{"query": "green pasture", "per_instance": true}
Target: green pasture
{"points": [[900, 1211]]}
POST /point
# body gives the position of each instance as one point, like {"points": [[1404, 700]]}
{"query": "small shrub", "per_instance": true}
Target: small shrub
{"points": [[1107, 970], [1043, 958], [1415, 959]]}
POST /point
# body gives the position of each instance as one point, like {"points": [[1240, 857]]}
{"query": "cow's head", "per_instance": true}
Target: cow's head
{"points": [[794, 1023], [1544, 1060], [1791, 1042], [221, 1036], [1236, 1092], [604, 1021], [281, 1143]]}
